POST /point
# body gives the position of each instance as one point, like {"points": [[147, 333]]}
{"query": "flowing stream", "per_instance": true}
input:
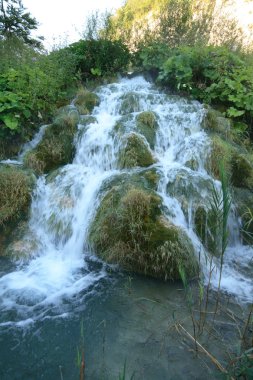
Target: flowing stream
{"points": [[61, 277]]}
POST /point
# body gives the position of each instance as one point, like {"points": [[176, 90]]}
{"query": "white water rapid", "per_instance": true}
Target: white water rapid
{"points": [[60, 265]]}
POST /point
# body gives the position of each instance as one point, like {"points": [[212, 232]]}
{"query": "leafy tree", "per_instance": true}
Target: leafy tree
{"points": [[16, 22]]}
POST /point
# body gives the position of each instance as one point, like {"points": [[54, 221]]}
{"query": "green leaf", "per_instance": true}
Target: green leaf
{"points": [[10, 121], [27, 113], [233, 112]]}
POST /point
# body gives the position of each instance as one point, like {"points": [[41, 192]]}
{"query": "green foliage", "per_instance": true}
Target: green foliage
{"points": [[242, 367], [214, 75], [99, 57], [31, 91], [152, 56], [15, 21]]}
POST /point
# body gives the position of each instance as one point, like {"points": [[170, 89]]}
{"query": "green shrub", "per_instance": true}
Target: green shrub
{"points": [[99, 57], [31, 90], [214, 75]]}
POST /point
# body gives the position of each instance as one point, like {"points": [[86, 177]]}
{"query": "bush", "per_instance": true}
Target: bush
{"points": [[99, 57], [214, 75], [31, 91]]}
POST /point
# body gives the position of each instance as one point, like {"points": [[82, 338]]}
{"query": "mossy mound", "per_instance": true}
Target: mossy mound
{"points": [[129, 230], [147, 125], [85, 101], [214, 121], [56, 148], [135, 153], [242, 171], [15, 192], [221, 151], [238, 166], [16, 187]]}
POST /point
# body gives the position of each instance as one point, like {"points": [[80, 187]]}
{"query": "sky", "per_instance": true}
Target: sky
{"points": [[63, 21]]}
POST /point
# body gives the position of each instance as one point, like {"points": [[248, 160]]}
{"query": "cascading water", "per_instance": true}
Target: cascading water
{"points": [[60, 265]]}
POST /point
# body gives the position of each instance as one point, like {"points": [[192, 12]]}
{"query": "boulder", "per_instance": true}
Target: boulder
{"points": [[129, 229], [242, 171], [86, 101], [135, 152], [214, 121], [56, 147], [146, 125]]}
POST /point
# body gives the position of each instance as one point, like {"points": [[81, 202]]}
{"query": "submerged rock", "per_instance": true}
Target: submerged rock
{"points": [[135, 153], [129, 103], [56, 147], [129, 230], [146, 124]]}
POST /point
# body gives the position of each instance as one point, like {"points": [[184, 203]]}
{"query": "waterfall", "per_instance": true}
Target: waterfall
{"points": [[64, 204]]}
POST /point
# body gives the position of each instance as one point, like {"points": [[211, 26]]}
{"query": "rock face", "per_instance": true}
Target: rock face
{"points": [[16, 187], [129, 230]]}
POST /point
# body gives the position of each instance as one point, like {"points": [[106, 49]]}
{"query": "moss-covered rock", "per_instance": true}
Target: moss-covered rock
{"points": [[135, 153], [191, 189], [242, 171], [56, 147], [129, 229], [85, 101], [16, 187], [146, 125], [214, 121], [221, 151]]}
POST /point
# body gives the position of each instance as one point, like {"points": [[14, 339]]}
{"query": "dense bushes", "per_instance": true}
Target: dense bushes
{"points": [[99, 57], [31, 91], [32, 85], [214, 75]]}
